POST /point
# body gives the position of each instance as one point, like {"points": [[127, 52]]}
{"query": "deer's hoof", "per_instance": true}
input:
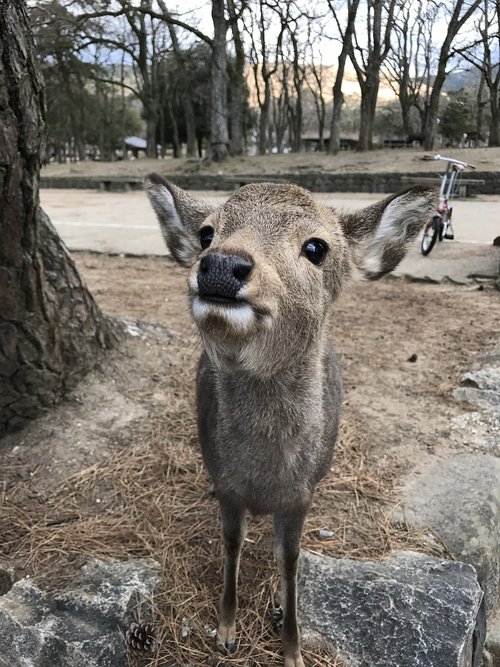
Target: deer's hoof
{"points": [[294, 661], [226, 638]]}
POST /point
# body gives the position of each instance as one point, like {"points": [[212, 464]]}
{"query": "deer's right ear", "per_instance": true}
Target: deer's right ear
{"points": [[180, 217]]}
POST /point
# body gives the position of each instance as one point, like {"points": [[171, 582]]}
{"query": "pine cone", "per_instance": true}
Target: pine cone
{"points": [[277, 622], [141, 637]]}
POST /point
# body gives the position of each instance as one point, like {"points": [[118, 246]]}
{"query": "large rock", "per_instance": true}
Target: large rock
{"points": [[410, 610], [80, 626], [481, 388], [460, 500]]}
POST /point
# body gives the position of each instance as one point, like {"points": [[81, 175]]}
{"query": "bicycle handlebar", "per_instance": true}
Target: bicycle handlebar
{"points": [[465, 165]]}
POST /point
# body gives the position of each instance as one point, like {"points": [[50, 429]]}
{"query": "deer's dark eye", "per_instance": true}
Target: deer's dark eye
{"points": [[206, 236], [315, 250]]}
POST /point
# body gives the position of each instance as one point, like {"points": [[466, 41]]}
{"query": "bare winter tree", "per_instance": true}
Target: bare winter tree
{"points": [[219, 136], [187, 101], [486, 59], [293, 74], [237, 81], [458, 15], [314, 77], [409, 62], [127, 27], [338, 96], [219, 140], [264, 63], [369, 49], [51, 330]]}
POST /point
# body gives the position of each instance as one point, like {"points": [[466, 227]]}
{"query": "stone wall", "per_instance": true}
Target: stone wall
{"points": [[315, 181]]}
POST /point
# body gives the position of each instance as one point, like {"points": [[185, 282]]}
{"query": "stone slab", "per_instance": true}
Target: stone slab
{"points": [[460, 500], [410, 610], [79, 626]]}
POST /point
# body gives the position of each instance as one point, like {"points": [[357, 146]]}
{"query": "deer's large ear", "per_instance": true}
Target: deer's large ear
{"points": [[381, 234], [180, 217]]}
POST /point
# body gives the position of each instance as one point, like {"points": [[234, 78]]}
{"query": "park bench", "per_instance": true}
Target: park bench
{"points": [[119, 184], [240, 181], [463, 183], [397, 143]]}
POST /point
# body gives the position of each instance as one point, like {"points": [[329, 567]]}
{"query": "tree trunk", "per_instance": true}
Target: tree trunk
{"points": [[264, 119], [151, 123], [219, 139], [369, 94], [187, 101], [51, 330], [455, 23], [480, 106], [495, 118], [175, 129], [338, 96], [429, 126], [237, 85]]}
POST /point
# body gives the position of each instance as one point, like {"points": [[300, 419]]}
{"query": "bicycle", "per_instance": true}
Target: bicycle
{"points": [[440, 227]]}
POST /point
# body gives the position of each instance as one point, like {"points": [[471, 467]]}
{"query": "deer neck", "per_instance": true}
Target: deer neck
{"points": [[285, 400]]}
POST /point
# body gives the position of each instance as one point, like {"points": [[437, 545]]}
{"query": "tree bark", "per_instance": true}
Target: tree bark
{"points": [[151, 124], [51, 330], [237, 85], [187, 102], [368, 64], [338, 95], [218, 124], [495, 119], [369, 94]]}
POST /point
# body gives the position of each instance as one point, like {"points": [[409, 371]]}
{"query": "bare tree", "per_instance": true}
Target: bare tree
{"points": [[129, 28], [460, 12], [486, 60], [186, 93], [219, 141], [409, 62], [338, 96], [293, 74], [51, 330], [314, 77], [264, 63], [237, 81], [367, 60]]}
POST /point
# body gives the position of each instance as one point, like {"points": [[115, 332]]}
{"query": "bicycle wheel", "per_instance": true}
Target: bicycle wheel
{"points": [[431, 233]]}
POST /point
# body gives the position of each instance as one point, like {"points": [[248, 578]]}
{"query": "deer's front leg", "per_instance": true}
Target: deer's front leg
{"points": [[287, 531], [234, 531]]}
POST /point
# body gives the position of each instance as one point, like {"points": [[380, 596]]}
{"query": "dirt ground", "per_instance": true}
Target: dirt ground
{"points": [[404, 407], [115, 471], [404, 160]]}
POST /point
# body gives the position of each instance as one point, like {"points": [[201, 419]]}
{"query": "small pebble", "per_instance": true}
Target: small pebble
{"points": [[413, 358], [325, 534]]}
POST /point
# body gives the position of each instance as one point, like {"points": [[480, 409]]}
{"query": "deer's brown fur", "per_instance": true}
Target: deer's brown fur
{"points": [[269, 385]]}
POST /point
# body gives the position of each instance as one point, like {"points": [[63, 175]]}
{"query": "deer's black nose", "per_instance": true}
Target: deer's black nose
{"points": [[223, 275]]}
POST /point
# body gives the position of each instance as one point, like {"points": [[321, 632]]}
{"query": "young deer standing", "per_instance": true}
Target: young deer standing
{"points": [[265, 268]]}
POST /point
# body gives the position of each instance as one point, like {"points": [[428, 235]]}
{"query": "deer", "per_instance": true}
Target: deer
{"points": [[264, 270]]}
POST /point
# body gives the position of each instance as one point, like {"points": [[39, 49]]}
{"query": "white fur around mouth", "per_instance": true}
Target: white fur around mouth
{"points": [[240, 316]]}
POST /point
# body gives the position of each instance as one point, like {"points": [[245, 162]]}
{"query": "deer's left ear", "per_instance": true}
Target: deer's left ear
{"points": [[180, 217], [379, 235]]}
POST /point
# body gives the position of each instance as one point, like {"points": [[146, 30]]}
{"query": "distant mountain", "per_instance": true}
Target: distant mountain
{"points": [[460, 78]]}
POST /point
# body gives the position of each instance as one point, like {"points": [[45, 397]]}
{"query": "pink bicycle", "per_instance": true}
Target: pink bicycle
{"points": [[440, 227]]}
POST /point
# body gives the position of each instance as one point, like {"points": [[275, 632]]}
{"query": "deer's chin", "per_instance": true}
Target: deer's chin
{"points": [[224, 318]]}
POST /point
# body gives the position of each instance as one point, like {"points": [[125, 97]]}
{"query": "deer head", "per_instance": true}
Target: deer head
{"points": [[268, 263]]}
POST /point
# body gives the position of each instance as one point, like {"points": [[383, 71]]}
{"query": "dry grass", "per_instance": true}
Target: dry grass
{"points": [[150, 499]]}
